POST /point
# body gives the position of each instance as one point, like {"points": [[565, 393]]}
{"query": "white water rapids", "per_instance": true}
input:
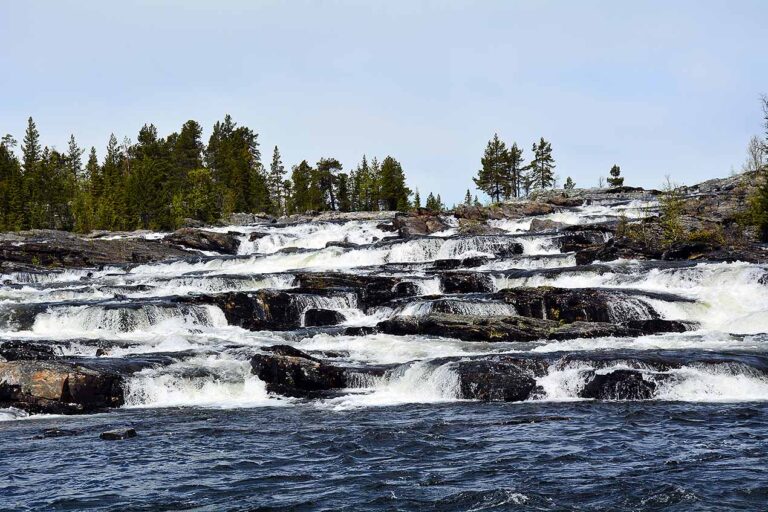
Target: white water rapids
{"points": [[129, 311]]}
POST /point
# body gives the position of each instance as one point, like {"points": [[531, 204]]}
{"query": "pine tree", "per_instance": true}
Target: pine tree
{"points": [[74, 158], [515, 167], [569, 184], [541, 168], [417, 200], [301, 178], [616, 180], [31, 149], [327, 170], [468, 198], [393, 194], [342, 192], [431, 203], [494, 176], [275, 183], [477, 202]]}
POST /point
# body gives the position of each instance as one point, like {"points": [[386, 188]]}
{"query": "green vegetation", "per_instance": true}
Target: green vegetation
{"points": [[756, 214], [616, 180], [503, 175], [157, 183]]}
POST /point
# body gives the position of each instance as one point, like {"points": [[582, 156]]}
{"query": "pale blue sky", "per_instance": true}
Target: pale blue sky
{"points": [[659, 87]]}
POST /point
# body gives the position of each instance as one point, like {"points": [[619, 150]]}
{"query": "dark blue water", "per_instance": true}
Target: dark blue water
{"points": [[467, 456]]}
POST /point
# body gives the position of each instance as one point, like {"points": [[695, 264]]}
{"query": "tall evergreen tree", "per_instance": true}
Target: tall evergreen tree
{"points": [[468, 198], [327, 170], [31, 149], [417, 200], [301, 181], [393, 193], [494, 176], [542, 166], [275, 183], [74, 158], [515, 169], [569, 184]]}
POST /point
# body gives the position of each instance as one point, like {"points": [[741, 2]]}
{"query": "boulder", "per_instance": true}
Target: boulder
{"points": [[466, 282], [371, 290], [16, 350], [322, 317], [58, 387], [618, 385], [290, 372], [224, 243], [118, 434], [540, 225], [500, 378], [422, 222]]}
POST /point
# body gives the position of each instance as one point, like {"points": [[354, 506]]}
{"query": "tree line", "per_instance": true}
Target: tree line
{"points": [[503, 173], [157, 183]]}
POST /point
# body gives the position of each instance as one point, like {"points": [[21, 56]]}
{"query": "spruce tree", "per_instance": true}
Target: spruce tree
{"points": [[30, 149], [494, 176], [569, 184], [392, 189], [417, 200], [275, 183], [616, 180], [515, 167], [301, 178], [468, 198], [541, 169], [74, 158]]}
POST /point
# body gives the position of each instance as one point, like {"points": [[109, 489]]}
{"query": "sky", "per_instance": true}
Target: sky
{"points": [[661, 88]]}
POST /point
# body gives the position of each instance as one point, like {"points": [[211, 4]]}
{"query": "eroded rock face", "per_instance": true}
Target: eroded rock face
{"points": [[423, 222], [322, 317], [618, 385], [274, 310], [58, 387], [290, 372], [371, 290], [224, 243], [499, 379], [498, 328], [60, 249]]}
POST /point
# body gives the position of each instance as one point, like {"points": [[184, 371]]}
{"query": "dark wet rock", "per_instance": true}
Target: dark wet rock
{"points": [[466, 282], [471, 262], [274, 310], [118, 434], [572, 242], [256, 235], [290, 372], [58, 387], [498, 328], [618, 385], [541, 225], [202, 240], [321, 317], [16, 350], [342, 244], [422, 222], [576, 304], [406, 289], [658, 325], [247, 219], [501, 378], [360, 330], [371, 290], [60, 249]]}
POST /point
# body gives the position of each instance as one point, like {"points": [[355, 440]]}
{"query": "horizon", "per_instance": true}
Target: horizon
{"points": [[671, 94]]}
